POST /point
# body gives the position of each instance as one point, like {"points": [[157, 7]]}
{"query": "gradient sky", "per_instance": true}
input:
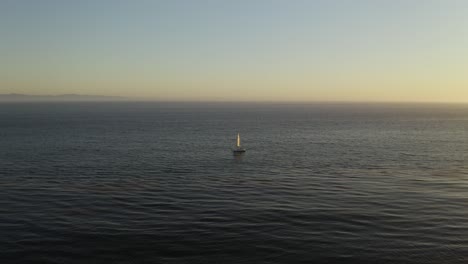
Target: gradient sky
{"points": [[254, 50]]}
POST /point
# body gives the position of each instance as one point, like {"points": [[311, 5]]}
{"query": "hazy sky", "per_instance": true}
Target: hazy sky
{"points": [[352, 50]]}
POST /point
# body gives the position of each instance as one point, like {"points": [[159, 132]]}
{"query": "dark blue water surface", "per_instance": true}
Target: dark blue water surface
{"points": [[157, 183]]}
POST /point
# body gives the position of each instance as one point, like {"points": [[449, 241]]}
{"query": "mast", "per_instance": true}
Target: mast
{"points": [[238, 140]]}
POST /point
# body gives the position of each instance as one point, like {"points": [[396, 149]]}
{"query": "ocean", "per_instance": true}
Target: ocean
{"points": [[152, 182]]}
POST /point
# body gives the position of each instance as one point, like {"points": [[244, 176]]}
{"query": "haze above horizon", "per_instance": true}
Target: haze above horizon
{"points": [[403, 51]]}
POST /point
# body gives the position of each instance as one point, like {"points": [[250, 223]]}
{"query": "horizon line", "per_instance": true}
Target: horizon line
{"points": [[74, 97]]}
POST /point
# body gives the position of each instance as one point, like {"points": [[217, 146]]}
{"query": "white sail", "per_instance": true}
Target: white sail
{"points": [[238, 150]]}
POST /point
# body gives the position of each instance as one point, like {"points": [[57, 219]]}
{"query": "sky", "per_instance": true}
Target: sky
{"points": [[243, 50]]}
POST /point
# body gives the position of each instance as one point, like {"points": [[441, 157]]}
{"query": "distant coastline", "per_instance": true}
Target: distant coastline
{"points": [[15, 97]]}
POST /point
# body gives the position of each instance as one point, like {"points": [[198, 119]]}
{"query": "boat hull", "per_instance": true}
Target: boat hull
{"points": [[238, 151]]}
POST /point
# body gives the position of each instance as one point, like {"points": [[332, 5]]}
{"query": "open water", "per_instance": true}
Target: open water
{"points": [[142, 182]]}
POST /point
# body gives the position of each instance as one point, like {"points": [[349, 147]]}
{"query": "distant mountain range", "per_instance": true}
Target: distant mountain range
{"points": [[61, 97]]}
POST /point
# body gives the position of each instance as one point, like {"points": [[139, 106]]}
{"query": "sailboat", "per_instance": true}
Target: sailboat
{"points": [[238, 149]]}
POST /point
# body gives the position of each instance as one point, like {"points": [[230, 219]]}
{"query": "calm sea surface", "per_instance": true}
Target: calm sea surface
{"points": [[157, 183]]}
